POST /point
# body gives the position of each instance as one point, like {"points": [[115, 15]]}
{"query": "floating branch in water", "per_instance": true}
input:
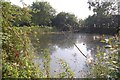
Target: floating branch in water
{"points": [[75, 45]]}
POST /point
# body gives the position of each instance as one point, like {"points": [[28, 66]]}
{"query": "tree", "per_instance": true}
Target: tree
{"points": [[102, 20], [101, 7], [65, 22], [42, 13]]}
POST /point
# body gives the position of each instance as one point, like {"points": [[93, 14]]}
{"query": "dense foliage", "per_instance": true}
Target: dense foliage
{"points": [[65, 22], [42, 13], [22, 16], [107, 64], [16, 48], [18, 52], [105, 19]]}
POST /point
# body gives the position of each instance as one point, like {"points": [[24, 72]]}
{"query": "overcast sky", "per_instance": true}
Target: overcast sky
{"points": [[77, 7]]}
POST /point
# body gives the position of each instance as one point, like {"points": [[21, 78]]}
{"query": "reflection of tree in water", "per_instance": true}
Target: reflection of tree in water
{"points": [[47, 41], [62, 42]]}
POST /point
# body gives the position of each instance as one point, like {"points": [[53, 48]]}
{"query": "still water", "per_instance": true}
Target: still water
{"points": [[62, 48]]}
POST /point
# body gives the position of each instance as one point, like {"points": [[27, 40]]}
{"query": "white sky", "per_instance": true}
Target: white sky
{"points": [[77, 7]]}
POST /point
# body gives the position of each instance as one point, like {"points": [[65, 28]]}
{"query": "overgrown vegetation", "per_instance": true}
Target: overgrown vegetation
{"points": [[104, 20], [107, 64], [67, 73], [17, 50]]}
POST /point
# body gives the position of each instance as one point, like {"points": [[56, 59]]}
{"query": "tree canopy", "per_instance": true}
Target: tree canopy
{"points": [[104, 19], [42, 13], [65, 21]]}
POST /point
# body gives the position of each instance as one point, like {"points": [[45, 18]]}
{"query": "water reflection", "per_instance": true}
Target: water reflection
{"points": [[62, 48]]}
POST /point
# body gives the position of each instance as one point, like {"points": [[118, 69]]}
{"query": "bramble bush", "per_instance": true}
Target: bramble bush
{"points": [[16, 48]]}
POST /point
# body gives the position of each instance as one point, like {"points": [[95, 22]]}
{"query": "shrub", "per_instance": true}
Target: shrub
{"points": [[107, 65]]}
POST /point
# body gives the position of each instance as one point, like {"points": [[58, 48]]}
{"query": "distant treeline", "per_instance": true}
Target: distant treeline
{"points": [[110, 25], [43, 14]]}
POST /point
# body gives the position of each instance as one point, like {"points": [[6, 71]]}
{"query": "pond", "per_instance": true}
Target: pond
{"points": [[62, 48]]}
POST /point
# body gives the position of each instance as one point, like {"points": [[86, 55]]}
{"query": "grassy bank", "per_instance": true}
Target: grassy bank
{"points": [[40, 30]]}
